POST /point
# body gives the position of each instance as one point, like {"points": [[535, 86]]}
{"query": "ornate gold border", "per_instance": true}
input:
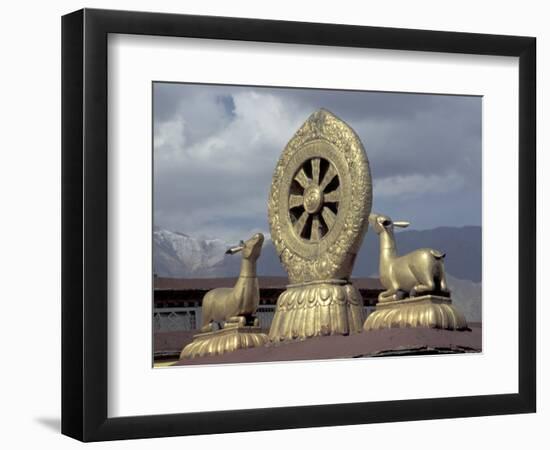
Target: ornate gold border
{"points": [[302, 262]]}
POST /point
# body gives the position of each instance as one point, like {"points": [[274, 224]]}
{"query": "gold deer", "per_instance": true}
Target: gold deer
{"points": [[237, 304], [418, 272]]}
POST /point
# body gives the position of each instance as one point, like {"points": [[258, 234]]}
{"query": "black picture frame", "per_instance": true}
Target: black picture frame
{"points": [[84, 224]]}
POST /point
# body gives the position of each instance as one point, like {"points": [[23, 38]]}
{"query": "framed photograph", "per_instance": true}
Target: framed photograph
{"points": [[263, 220]]}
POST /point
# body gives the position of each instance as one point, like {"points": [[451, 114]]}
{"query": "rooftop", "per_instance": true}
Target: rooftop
{"points": [[161, 283]]}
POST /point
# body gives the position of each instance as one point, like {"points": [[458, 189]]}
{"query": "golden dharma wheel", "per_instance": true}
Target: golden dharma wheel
{"points": [[320, 200]]}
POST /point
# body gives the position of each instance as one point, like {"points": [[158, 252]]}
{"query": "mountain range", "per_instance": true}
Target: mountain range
{"points": [[179, 255]]}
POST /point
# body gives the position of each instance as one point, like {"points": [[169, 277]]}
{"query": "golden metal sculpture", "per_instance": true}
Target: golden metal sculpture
{"points": [[416, 292], [318, 210], [233, 309], [411, 274], [229, 305]]}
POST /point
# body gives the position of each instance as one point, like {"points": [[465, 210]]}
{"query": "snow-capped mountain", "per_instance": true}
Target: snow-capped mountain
{"points": [[193, 253], [179, 255]]}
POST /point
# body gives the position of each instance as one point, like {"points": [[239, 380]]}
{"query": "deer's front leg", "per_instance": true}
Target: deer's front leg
{"points": [[239, 320], [388, 296], [420, 289]]}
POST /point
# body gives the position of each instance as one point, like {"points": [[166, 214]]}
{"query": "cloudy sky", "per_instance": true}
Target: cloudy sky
{"points": [[215, 148]]}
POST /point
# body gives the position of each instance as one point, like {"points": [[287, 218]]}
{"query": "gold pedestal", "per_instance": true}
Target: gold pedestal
{"points": [[317, 309], [231, 337], [427, 311]]}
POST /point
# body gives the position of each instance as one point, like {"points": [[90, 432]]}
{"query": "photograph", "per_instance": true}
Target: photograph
{"points": [[294, 224]]}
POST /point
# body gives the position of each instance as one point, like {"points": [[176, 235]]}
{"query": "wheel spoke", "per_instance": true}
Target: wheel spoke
{"points": [[295, 200], [331, 173], [329, 217], [312, 220], [315, 229], [316, 169], [301, 223], [302, 178], [332, 197]]}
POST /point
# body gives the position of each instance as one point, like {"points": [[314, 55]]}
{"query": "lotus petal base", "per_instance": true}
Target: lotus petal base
{"points": [[228, 339], [427, 311], [324, 308]]}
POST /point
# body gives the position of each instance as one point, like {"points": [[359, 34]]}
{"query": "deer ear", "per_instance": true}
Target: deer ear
{"points": [[401, 224], [233, 250]]}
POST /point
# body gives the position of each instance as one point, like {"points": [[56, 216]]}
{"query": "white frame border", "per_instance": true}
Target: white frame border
{"points": [[135, 61]]}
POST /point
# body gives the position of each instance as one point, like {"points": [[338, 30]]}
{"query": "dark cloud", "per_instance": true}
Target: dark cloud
{"points": [[216, 147]]}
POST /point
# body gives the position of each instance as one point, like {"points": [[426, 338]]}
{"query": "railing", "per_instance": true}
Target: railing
{"points": [[176, 319], [189, 318]]}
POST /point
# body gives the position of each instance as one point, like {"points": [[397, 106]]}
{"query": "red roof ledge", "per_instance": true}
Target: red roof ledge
{"points": [[387, 342], [161, 283]]}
